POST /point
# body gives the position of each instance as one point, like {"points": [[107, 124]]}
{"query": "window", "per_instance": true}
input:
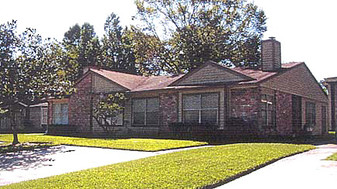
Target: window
{"points": [[44, 114], [310, 114], [201, 108], [324, 120], [60, 114], [268, 112], [113, 121], [145, 111]]}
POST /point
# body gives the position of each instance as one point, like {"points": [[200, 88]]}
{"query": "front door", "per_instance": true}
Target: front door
{"points": [[297, 113]]}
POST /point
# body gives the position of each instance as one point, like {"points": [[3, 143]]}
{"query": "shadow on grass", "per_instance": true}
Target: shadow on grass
{"points": [[27, 159]]}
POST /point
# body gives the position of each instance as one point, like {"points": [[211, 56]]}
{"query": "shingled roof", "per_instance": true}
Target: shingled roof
{"points": [[260, 75], [136, 83]]}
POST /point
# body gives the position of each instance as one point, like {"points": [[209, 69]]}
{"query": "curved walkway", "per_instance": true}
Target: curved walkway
{"points": [[307, 170]]}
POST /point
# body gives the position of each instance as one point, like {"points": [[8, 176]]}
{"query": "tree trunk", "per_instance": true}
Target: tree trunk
{"points": [[13, 125]]}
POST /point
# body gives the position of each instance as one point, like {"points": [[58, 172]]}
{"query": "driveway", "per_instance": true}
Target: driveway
{"points": [[56, 160], [39, 163], [307, 170]]}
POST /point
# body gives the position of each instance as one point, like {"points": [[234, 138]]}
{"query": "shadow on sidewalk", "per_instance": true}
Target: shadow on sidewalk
{"points": [[28, 158]]}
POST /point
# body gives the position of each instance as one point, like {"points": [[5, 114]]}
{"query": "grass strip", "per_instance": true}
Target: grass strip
{"points": [[129, 144], [196, 168], [333, 157]]}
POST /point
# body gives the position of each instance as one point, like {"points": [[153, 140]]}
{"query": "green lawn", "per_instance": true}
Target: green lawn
{"points": [[332, 132], [131, 144], [185, 169], [333, 157]]}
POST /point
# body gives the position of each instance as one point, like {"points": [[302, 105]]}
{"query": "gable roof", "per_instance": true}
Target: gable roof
{"points": [[240, 76], [132, 82], [128, 81], [211, 73], [298, 81], [261, 76]]}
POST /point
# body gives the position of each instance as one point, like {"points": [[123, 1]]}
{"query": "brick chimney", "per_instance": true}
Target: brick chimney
{"points": [[87, 68], [271, 55]]}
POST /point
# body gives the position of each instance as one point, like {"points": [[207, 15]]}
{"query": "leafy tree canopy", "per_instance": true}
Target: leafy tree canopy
{"points": [[194, 31], [118, 47], [30, 69]]}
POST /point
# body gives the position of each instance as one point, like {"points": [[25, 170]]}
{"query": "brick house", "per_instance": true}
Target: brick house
{"points": [[28, 118], [331, 85], [278, 99]]}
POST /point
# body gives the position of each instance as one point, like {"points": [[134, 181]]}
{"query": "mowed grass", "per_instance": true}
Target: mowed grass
{"points": [[130, 144], [185, 169], [333, 157]]}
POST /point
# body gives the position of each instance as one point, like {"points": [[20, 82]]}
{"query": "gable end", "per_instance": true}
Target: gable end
{"points": [[298, 81], [211, 73]]}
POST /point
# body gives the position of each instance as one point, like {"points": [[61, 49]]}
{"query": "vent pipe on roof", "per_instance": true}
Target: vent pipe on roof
{"points": [[271, 55]]}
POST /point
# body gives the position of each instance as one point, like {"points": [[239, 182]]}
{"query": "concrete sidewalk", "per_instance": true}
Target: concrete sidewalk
{"points": [[307, 170]]}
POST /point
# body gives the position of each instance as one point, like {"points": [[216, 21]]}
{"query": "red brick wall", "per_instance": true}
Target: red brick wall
{"points": [[80, 104], [283, 113], [168, 109], [245, 102]]}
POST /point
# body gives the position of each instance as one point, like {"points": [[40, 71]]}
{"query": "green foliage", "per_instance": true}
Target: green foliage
{"points": [[130, 144], [333, 157], [117, 48], [109, 107], [193, 32], [194, 168], [83, 49], [29, 69]]}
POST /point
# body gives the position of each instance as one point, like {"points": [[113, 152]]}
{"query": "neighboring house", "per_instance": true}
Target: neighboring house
{"points": [[331, 85], [38, 115], [278, 99], [27, 117]]}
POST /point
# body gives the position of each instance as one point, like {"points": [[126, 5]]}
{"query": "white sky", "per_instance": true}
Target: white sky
{"points": [[306, 28]]}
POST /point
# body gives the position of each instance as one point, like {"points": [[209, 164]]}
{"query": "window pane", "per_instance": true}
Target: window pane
{"points": [[152, 105], [44, 119], [64, 113], [310, 113], [139, 118], [152, 118], [191, 116], [210, 100], [264, 118], [57, 113], [139, 105], [209, 116], [118, 120], [191, 102]]}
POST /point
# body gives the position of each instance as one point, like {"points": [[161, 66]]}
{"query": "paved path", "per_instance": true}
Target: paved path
{"points": [[40, 163], [307, 170]]}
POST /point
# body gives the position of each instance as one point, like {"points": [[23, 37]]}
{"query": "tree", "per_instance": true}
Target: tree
{"points": [[107, 109], [82, 47], [89, 46], [118, 50], [28, 72], [8, 47], [194, 31]]}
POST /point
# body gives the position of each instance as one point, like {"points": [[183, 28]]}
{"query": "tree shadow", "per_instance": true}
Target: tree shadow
{"points": [[28, 159]]}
